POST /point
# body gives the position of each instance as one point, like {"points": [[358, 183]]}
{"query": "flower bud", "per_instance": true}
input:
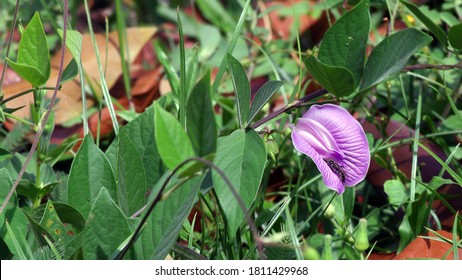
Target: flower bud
{"points": [[349, 238], [20, 28], [310, 253], [330, 212], [362, 241], [327, 250], [272, 148]]}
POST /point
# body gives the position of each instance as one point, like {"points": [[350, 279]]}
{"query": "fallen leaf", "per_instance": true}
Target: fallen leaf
{"points": [[69, 103], [428, 248]]}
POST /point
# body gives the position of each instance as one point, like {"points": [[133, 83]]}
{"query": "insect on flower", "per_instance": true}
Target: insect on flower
{"points": [[337, 169], [336, 143]]}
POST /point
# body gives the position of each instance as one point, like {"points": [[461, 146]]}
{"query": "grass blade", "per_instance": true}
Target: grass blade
{"points": [[104, 87], [20, 252], [183, 80], [231, 46], [415, 147], [443, 164]]}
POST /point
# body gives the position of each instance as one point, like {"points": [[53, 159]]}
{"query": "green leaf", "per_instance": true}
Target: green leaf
{"points": [[231, 46], [242, 158], [262, 96], [26, 186], [435, 29], [196, 167], [73, 42], [209, 41], [455, 36], [90, 171], [70, 215], [348, 200], [344, 44], [389, 57], [57, 229], [106, 228], [202, 128], [28, 189], [28, 73], [33, 63], [6, 184], [172, 141], [166, 220], [131, 176], [414, 221], [39, 231], [337, 80], [183, 96], [68, 218], [448, 18], [241, 87], [141, 133], [445, 166], [437, 182], [168, 67], [2, 115], [15, 238], [396, 192], [16, 246], [338, 202], [13, 164], [70, 72], [217, 14], [191, 73]]}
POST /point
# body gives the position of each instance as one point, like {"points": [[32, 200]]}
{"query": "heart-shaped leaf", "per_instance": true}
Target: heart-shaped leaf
{"points": [[172, 141], [166, 220], [344, 44], [33, 63], [242, 88], [262, 96], [337, 80], [435, 29], [106, 228], [242, 157], [131, 175], [389, 57], [455, 36], [90, 171], [202, 128]]}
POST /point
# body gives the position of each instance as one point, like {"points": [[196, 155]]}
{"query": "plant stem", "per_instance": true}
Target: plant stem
{"points": [[44, 120], [28, 123], [4, 101], [10, 38], [160, 196], [104, 86], [297, 104]]}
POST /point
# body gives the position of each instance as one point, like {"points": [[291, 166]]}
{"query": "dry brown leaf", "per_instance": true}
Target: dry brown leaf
{"points": [[428, 248], [69, 104]]}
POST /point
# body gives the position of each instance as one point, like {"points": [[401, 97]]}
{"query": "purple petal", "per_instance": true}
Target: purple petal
{"points": [[329, 133], [331, 180]]}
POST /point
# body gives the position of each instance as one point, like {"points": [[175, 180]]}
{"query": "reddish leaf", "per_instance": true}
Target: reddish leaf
{"points": [[69, 104], [427, 248]]}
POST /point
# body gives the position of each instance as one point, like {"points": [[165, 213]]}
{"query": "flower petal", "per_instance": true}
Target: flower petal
{"points": [[328, 133], [320, 138], [331, 180], [350, 138]]}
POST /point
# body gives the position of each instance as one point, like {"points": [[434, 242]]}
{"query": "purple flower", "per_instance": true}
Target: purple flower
{"points": [[336, 143]]}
